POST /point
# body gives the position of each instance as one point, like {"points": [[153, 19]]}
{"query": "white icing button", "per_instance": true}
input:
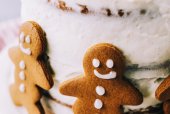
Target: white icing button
{"points": [[22, 88], [22, 65], [22, 75], [100, 90], [98, 104], [109, 63], [27, 39], [21, 37], [96, 63]]}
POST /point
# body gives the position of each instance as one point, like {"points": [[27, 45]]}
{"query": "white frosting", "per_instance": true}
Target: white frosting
{"points": [[67, 44], [109, 63], [22, 65], [96, 63], [22, 75], [148, 87], [22, 88], [98, 104], [100, 90], [110, 75]]}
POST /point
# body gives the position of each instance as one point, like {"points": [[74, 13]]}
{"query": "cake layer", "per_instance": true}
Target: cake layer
{"points": [[140, 28], [114, 7], [70, 34]]}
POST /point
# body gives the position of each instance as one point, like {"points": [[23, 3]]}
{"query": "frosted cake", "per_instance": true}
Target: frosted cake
{"points": [[140, 28]]}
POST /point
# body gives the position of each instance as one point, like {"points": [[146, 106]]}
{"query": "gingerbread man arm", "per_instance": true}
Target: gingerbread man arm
{"points": [[163, 91], [14, 54], [42, 78], [130, 95], [72, 87]]}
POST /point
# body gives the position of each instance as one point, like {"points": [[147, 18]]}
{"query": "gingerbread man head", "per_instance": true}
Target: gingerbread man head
{"points": [[32, 44], [104, 61]]}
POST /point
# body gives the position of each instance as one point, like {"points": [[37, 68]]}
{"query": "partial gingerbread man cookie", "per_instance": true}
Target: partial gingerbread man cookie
{"points": [[102, 89], [163, 94], [31, 72]]}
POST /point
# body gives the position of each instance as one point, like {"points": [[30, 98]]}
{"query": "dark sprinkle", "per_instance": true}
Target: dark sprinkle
{"points": [[142, 11], [84, 9], [121, 12], [128, 13], [109, 13]]}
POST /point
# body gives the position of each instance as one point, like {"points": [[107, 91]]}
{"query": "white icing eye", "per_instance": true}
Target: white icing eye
{"points": [[98, 104], [109, 63], [27, 39], [21, 37], [96, 63]]}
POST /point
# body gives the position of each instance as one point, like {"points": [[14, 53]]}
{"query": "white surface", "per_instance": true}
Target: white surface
{"points": [[9, 9]]}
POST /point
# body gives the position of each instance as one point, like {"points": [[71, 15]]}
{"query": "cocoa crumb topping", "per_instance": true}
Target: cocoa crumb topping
{"points": [[62, 5], [109, 12], [84, 9], [121, 13]]}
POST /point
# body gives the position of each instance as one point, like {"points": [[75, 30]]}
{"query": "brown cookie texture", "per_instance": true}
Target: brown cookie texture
{"points": [[163, 91], [102, 89], [31, 73], [166, 107], [163, 94]]}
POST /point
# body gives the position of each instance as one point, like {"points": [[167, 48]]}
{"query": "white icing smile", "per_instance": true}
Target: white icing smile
{"points": [[111, 75], [25, 50]]}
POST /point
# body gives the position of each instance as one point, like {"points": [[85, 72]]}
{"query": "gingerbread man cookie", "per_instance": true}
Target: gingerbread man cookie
{"points": [[31, 72], [102, 89], [163, 94]]}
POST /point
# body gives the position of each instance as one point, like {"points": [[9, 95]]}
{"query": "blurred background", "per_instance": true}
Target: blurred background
{"points": [[9, 9], [9, 21]]}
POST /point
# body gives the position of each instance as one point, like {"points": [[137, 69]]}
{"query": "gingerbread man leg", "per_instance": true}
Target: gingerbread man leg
{"points": [[14, 97], [35, 108], [166, 107]]}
